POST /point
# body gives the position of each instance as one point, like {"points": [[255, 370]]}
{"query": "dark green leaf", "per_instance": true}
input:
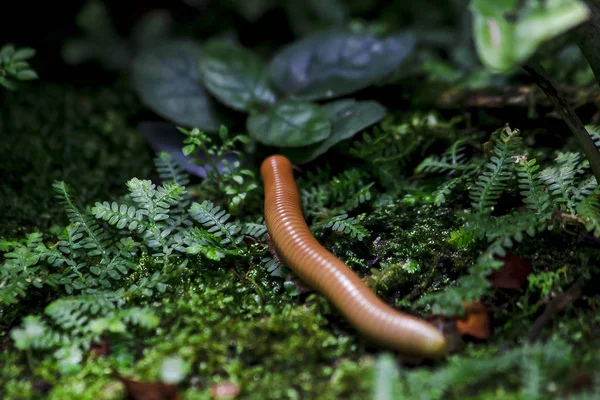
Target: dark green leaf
{"points": [[23, 54], [290, 124], [167, 78], [236, 76], [336, 62], [347, 117], [27, 75]]}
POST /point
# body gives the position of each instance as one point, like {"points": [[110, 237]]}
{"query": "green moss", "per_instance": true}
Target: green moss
{"points": [[229, 320], [277, 350]]}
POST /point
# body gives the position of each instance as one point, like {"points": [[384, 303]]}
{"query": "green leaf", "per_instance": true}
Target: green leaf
{"points": [[347, 117], [167, 79], [27, 75], [507, 33], [337, 62], [290, 124], [23, 54], [188, 149], [235, 76]]}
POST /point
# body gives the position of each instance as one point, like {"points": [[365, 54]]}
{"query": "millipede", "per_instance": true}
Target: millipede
{"points": [[330, 276]]}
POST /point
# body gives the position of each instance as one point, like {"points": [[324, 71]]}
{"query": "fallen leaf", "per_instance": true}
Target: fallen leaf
{"points": [[512, 274], [225, 390], [476, 322], [149, 390]]}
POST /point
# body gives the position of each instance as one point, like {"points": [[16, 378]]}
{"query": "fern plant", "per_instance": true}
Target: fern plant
{"points": [[453, 160], [100, 268], [564, 185]]}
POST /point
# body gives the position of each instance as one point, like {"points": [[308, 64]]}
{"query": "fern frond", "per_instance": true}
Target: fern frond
{"points": [[385, 146], [171, 171], [452, 160], [214, 219], [314, 200], [274, 267], [255, 230], [560, 180], [532, 189], [461, 238], [153, 201], [69, 242], [138, 316], [343, 224], [362, 196], [96, 241], [72, 314], [200, 241], [444, 190], [594, 131], [583, 190], [493, 180], [502, 232], [22, 269], [121, 216]]}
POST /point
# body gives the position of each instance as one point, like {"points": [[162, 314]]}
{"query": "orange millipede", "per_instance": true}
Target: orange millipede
{"points": [[331, 277]]}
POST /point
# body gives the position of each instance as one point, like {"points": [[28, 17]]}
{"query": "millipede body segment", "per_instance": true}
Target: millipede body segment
{"points": [[331, 277]]}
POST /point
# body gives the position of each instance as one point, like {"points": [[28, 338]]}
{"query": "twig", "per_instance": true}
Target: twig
{"points": [[556, 306], [539, 76]]}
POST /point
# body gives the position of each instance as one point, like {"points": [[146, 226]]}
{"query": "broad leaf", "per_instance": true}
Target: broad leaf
{"points": [[236, 76], [508, 32], [336, 62], [347, 118], [289, 123], [167, 79]]}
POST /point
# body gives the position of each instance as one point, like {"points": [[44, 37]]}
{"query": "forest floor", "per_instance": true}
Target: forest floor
{"points": [[226, 319]]}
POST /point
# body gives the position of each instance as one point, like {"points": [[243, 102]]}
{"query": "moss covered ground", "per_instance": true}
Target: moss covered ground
{"points": [[234, 322]]}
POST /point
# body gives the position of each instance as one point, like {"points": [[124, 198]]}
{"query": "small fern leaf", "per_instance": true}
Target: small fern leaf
{"points": [[171, 171], [214, 219], [120, 216], [532, 189], [97, 241], [344, 225], [255, 230]]}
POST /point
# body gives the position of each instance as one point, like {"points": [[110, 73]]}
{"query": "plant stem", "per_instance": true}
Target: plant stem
{"points": [[539, 76], [588, 36]]}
